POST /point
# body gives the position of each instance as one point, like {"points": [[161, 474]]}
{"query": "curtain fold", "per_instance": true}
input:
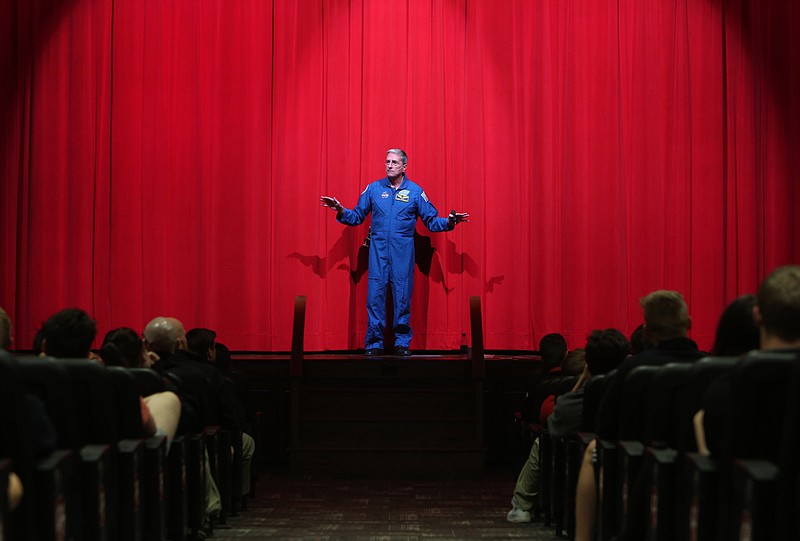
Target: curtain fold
{"points": [[167, 158]]}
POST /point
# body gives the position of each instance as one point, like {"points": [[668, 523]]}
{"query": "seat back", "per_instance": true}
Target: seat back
{"points": [[148, 381], [15, 445], [593, 391], [49, 380], [93, 399], [760, 391], [127, 408], [788, 527], [661, 426], [634, 401], [761, 388], [689, 397]]}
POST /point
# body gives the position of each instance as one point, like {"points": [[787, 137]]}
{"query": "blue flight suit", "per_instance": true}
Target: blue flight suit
{"points": [[391, 251]]}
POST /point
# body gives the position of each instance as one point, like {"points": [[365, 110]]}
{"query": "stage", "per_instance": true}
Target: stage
{"points": [[431, 414]]}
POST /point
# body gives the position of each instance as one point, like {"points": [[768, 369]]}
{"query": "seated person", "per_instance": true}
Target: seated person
{"points": [[553, 352], [202, 342], [573, 365], [161, 412], [777, 316], [605, 350], [666, 328]]}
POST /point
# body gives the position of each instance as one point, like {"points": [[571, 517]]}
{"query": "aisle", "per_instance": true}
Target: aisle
{"points": [[337, 509]]}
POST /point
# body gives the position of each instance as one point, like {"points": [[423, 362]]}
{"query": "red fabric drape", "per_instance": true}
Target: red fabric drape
{"points": [[166, 158]]}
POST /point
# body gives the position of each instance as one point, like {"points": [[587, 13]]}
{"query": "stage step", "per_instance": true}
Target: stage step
{"points": [[420, 418]]}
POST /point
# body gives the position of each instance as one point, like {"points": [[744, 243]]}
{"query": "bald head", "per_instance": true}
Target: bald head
{"points": [[165, 334]]}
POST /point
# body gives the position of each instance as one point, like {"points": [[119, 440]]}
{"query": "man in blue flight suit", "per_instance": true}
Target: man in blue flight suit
{"points": [[395, 203]]}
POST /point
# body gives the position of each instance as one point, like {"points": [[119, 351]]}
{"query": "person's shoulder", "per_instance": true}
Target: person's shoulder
{"points": [[571, 397], [413, 187]]}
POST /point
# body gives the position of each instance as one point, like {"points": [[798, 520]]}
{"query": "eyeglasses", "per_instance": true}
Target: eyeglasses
{"points": [[393, 163]]}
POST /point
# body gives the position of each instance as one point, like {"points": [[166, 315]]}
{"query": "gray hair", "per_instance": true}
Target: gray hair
{"points": [[400, 152]]}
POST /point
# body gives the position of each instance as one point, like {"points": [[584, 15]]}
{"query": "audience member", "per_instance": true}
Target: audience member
{"points": [[15, 489], [34, 417], [604, 351], [638, 340], [553, 352], [36, 345], [202, 342], [68, 334], [201, 386], [161, 412], [224, 364], [776, 314], [737, 332], [574, 363], [666, 326], [123, 347]]}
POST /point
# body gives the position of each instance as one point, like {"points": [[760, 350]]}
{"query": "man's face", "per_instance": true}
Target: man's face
{"points": [[394, 165]]}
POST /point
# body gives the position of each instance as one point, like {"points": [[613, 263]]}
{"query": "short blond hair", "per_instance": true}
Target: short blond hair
{"points": [[665, 315]]}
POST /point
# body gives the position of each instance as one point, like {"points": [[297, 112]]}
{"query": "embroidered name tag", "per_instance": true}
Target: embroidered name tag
{"points": [[402, 195]]}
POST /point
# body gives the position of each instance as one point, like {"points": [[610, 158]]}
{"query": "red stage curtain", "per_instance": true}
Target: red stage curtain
{"points": [[166, 158]]}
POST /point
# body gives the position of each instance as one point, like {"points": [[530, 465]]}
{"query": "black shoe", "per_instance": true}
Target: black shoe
{"points": [[373, 352], [401, 351]]}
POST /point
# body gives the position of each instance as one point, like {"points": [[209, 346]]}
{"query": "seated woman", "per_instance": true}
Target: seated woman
{"points": [[160, 411]]}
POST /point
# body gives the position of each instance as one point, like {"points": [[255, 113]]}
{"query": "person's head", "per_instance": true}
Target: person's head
{"points": [[201, 342], [5, 330], [223, 357], [605, 350], [36, 345], [573, 363], [396, 162], [68, 334], [165, 335], [665, 316], [553, 349], [123, 347], [777, 310], [737, 332], [638, 340]]}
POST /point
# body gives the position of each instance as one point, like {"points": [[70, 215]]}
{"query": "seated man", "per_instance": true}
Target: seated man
{"points": [[777, 315], [202, 342], [605, 350], [553, 352], [69, 334], [166, 337], [666, 327]]}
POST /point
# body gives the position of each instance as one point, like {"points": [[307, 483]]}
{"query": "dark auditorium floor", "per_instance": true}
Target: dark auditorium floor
{"points": [[288, 507]]}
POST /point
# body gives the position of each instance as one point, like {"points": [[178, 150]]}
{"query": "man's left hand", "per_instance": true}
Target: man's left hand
{"points": [[458, 217]]}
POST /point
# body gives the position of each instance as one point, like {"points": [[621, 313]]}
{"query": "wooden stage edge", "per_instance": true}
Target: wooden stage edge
{"points": [[250, 356]]}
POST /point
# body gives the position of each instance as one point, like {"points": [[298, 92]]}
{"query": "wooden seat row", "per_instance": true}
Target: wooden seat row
{"points": [[103, 480]]}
